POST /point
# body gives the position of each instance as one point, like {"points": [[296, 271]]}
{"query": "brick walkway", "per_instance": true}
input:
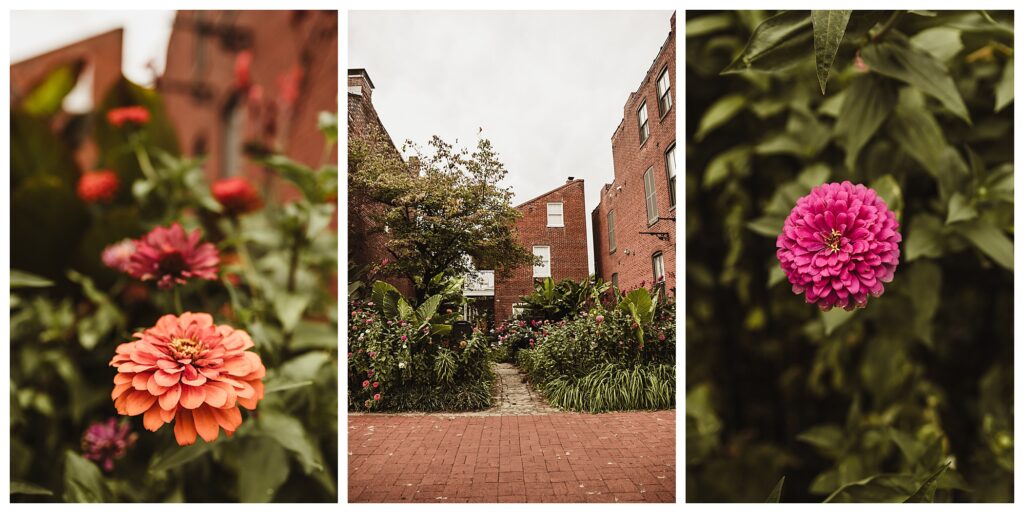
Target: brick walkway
{"points": [[558, 457]]}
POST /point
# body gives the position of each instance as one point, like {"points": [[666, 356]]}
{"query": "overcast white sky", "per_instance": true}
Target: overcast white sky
{"points": [[547, 87], [146, 34]]}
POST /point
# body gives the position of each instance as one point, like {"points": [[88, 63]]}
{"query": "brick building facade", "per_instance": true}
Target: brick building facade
{"points": [[554, 226], [291, 76], [367, 242], [634, 224]]}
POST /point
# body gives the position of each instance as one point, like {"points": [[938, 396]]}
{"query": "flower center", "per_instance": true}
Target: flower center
{"points": [[171, 263], [186, 347], [833, 239]]}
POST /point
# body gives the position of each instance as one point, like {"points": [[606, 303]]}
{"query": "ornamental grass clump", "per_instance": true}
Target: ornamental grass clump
{"points": [[838, 245]]}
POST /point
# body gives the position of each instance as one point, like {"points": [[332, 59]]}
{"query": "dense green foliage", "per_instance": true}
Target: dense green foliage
{"points": [[911, 398], [617, 358], [69, 312], [406, 358], [442, 211]]}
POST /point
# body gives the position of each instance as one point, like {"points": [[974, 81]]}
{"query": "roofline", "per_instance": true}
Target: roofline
{"points": [[361, 71], [556, 189], [70, 45], [647, 75]]}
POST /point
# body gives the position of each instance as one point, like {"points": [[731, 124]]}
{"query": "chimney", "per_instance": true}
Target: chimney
{"points": [[359, 83], [571, 178]]}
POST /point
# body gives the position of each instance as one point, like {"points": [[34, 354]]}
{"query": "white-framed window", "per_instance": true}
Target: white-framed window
{"points": [[658, 265], [615, 281], [611, 231], [543, 269], [555, 215], [670, 170], [664, 92], [650, 194], [645, 127]]}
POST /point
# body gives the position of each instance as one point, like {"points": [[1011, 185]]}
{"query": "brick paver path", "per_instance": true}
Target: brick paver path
{"points": [[556, 457]]}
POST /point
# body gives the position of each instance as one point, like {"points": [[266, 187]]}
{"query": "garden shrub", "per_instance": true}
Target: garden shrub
{"points": [[406, 359], [619, 359]]}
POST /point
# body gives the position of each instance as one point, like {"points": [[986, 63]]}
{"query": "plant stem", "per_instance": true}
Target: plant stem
{"points": [[248, 266], [176, 293], [143, 157], [888, 25]]}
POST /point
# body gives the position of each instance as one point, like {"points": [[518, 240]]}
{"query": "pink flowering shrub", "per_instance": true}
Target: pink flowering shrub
{"points": [[839, 244]]}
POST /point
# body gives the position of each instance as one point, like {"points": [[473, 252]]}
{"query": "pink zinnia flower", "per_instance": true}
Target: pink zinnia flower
{"points": [[376, 384], [376, 397], [191, 371], [840, 243], [169, 257], [366, 383], [117, 255], [104, 442]]}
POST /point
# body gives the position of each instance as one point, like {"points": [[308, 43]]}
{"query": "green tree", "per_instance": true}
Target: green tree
{"points": [[444, 205]]}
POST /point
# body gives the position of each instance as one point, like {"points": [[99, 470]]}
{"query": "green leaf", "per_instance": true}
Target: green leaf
{"points": [[827, 439], [926, 492], [289, 308], [386, 296], [943, 43], [262, 469], [428, 308], [303, 367], [889, 190], [83, 481], [732, 162], [175, 456], [703, 25], [719, 113], [776, 494], [769, 225], [777, 43], [924, 285], [960, 209], [289, 433], [302, 176], [917, 68], [868, 102], [273, 386], [1004, 88], [46, 98], [23, 488], [990, 240], [22, 279], [327, 123], [829, 28], [924, 238], [835, 318], [877, 488]]}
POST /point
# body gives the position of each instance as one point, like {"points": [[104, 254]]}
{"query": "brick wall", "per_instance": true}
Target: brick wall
{"points": [[568, 244], [200, 89], [366, 242], [631, 259]]}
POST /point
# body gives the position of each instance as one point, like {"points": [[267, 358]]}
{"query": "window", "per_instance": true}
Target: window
{"points": [[543, 269], [645, 129], [555, 215], [650, 193], [670, 170], [664, 92], [658, 263], [615, 281], [611, 231], [518, 309]]}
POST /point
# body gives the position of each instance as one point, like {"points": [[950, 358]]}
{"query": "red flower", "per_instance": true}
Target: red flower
{"points": [[376, 384], [289, 83], [169, 257], [98, 186], [237, 195], [376, 397], [135, 114], [243, 63], [366, 383]]}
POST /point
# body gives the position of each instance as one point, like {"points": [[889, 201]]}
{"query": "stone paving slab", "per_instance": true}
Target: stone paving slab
{"points": [[558, 457]]}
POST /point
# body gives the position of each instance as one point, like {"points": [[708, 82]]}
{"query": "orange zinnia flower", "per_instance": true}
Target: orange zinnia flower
{"points": [[189, 370]]}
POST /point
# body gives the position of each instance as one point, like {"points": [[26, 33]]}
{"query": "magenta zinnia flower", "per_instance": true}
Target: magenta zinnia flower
{"points": [[169, 257], [104, 442], [840, 243], [117, 255]]}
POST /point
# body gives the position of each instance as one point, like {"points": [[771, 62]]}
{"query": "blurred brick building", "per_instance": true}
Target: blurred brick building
{"points": [[234, 80], [634, 224], [238, 80]]}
